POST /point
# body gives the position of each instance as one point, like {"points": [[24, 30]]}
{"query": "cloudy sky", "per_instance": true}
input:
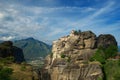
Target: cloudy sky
{"points": [[48, 20]]}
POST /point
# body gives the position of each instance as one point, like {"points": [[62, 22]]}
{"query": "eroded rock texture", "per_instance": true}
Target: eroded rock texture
{"points": [[70, 56]]}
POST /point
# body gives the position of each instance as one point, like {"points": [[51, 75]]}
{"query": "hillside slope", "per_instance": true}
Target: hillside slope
{"points": [[33, 48]]}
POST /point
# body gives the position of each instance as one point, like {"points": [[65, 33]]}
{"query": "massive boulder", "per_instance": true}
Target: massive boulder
{"points": [[106, 40], [82, 44], [70, 57], [8, 50]]}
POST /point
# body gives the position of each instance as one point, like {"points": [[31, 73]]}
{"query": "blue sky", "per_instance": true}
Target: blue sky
{"points": [[48, 20]]}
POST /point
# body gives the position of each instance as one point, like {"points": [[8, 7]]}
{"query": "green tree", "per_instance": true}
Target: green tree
{"points": [[63, 55], [102, 54], [98, 56], [111, 51], [5, 73]]}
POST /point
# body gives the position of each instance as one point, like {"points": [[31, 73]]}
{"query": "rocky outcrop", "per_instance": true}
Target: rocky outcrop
{"points": [[70, 56], [106, 40], [82, 44], [8, 50]]}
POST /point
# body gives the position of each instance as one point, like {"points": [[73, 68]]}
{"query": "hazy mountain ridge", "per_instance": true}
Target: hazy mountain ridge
{"points": [[33, 48]]}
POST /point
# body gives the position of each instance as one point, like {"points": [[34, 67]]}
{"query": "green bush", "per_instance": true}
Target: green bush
{"points": [[112, 70], [102, 54], [98, 56], [68, 59], [23, 68], [117, 76], [63, 55], [7, 60], [5, 73], [119, 62], [99, 78], [111, 51]]}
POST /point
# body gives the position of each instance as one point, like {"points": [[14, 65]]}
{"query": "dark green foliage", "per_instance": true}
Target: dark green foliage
{"points": [[102, 54], [69, 59], [5, 73], [99, 78], [10, 59], [98, 56], [119, 62], [23, 68], [109, 66], [117, 76], [112, 70], [110, 52], [63, 55], [33, 48], [7, 60]]}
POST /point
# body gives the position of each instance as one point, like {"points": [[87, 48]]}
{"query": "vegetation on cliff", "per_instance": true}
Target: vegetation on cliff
{"points": [[110, 65], [102, 54], [5, 73]]}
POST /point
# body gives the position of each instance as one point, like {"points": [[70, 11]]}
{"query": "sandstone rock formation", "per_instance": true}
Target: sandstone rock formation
{"points": [[82, 44], [70, 57]]}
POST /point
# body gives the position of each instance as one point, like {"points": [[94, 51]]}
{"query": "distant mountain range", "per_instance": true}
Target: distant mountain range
{"points": [[33, 48]]}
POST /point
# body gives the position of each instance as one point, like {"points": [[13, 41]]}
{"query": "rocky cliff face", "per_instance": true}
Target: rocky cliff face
{"points": [[7, 50], [71, 54], [74, 45]]}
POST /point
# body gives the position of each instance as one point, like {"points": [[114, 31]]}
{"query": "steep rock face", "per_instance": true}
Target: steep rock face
{"points": [[18, 54], [82, 44], [70, 57], [106, 40], [76, 72], [7, 49]]}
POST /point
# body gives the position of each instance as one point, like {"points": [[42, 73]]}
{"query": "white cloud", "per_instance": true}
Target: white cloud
{"points": [[7, 38], [47, 23], [1, 15]]}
